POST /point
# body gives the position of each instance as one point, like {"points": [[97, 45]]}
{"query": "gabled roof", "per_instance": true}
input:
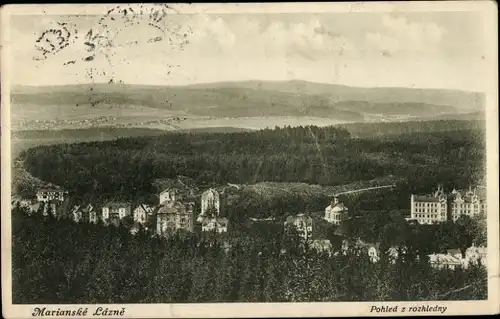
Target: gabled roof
{"points": [[218, 221], [144, 207], [426, 198], [444, 259], [339, 206], [169, 189], [469, 195], [172, 208], [212, 191]]}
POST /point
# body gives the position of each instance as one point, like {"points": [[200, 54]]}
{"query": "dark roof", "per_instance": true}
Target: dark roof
{"points": [[172, 208], [145, 207], [426, 198]]}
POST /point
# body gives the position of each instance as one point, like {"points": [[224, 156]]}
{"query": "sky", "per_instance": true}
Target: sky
{"points": [[403, 49]]}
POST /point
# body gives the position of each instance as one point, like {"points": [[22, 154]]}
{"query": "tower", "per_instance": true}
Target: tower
{"points": [[210, 198]]}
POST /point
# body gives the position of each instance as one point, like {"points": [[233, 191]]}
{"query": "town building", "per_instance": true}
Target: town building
{"points": [[44, 207], [470, 203], [440, 207], [81, 213], [217, 224], [113, 211], [429, 209], [372, 250], [93, 217], [335, 212], [50, 193], [360, 247], [444, 261], [142, 213], [302, 223], [476, 255], [173, 216], [168, 195], [472, 255], [393, 253], [210, 199]]}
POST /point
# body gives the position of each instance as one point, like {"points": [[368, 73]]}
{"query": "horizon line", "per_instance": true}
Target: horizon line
{"points": [[243, 81]]}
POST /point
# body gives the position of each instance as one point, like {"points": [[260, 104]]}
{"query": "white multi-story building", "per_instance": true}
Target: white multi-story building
{"points": [[50, 194], [115, 211], [142, 212], [440, 207], [335, 212], [429, 209], [210, 199], [217, 224], [470, 203]]}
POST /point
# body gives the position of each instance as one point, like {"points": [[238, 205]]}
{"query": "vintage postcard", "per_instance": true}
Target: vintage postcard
{"points": [[250, 160]]}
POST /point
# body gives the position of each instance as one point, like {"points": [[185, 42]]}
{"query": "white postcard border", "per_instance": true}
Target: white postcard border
{"points": [[226, 310]]}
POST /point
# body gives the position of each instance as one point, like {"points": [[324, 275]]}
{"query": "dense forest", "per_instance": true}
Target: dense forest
{"points": [[126, 168], [99, 264]]}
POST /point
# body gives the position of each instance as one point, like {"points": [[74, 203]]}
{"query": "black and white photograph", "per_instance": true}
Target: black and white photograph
{"points": [[240, 156]]}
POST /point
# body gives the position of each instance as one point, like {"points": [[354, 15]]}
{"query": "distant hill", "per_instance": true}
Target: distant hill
{"points": [[245, 99], [465, 101]]}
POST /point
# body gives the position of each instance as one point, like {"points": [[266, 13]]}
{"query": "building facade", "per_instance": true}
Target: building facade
{"points": [[168, 195], [142, 213], [302, 223], [210, 199], [50, 194], [444, 261], [173, 216], [217, 224], [335, 212], [440, 207], [115, 211], [471, 203], [430, 209], [82, 213], [44, 207]]}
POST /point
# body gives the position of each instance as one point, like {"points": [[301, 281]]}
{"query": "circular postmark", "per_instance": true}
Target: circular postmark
{"points": [[100, 48], [56, 38]]}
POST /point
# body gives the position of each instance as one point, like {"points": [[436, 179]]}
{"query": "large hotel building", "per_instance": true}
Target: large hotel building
{"points": [[440, 207]]}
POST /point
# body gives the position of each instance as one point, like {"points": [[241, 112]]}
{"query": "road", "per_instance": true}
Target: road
{"points": [[365, 189]]}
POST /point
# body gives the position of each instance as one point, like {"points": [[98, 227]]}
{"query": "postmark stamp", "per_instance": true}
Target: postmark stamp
{"points": [[111, 32]]}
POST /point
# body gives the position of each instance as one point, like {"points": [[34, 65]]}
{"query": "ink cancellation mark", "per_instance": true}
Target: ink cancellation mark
{"points": [[103, 36], [121, 18], [55, 39]]}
